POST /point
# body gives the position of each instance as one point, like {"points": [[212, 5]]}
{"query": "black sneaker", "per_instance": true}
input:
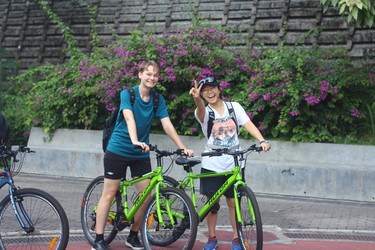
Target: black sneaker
{"points": [[133, 242], [101, 245]]}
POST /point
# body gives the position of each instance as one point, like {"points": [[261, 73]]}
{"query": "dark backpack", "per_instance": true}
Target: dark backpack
{"points": [[111, 122], [4, 130], [211, 118]]}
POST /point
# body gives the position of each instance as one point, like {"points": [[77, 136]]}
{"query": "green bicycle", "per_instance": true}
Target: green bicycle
{"points": [[248, 218], [168, 215]]}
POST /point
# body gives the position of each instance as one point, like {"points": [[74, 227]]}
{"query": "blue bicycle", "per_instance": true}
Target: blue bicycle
{"points": [[29, 218]]}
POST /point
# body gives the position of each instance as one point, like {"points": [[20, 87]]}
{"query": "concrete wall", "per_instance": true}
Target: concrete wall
{"points": [[303, 169]]}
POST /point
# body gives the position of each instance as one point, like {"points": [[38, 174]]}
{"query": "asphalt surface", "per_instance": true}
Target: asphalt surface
{"points": [[288, 222]]}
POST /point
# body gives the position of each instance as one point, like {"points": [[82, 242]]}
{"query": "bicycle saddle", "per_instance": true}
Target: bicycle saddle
{"points": [[187, 161]]}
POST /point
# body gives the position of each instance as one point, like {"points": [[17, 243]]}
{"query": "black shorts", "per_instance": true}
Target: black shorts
{"points": [[115, 166], [210, 185]]}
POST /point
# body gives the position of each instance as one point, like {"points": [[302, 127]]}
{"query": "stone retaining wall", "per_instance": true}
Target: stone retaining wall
{"points": [[30, 36]]}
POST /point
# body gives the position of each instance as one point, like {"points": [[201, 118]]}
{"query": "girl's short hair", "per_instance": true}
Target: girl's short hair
{"points": [[144, 65]]}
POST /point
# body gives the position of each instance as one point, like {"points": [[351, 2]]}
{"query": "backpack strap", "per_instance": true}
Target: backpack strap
{"points": [[233, 115], [132, 95], [211, 118], [210, 122], [156, 100], [154, 94]]}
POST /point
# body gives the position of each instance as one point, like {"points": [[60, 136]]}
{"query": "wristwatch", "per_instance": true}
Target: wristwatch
{"points": [[264, 141]]}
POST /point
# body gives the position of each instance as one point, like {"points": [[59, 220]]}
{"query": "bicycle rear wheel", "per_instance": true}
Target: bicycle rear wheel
{"points": [[88, 211], [250, 231], [50, 226], [169, 181], [184, 229]]}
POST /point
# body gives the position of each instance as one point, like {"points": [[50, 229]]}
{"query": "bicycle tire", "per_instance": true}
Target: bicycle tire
{"points": [[50, 223], [186, 226], [88, 215], [250, 232]]}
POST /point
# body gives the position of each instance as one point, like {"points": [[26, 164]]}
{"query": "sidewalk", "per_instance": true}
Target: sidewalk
{"points": [[290, 223]]}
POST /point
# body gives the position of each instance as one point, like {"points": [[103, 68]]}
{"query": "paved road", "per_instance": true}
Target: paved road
{"points": [[289, 222]]}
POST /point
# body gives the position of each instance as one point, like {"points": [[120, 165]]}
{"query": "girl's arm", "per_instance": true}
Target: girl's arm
{"points": [[254, 132], [195, 93]]}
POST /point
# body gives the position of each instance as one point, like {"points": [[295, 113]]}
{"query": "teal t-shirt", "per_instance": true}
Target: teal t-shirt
{"points": [[143, 112]]}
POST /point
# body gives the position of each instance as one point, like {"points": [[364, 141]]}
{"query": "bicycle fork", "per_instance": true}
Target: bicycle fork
{"points": [[238, 206], [15, 200], [167, 209]]}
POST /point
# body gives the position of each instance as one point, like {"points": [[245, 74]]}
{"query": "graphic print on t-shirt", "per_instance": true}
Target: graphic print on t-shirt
{"points": [[223, 132]]}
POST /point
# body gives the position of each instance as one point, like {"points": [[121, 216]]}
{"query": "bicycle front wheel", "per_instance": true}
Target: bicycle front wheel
{"points": [[48, 227], [88, 211], [250, 231], [179, 217]]}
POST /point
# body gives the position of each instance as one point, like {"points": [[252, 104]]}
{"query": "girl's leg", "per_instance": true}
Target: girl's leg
{"points": [[232, 216], [211, 222]]}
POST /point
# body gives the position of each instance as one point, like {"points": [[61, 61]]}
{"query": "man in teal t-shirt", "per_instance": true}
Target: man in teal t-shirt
{"points": [[143, 113], [133, 128]]}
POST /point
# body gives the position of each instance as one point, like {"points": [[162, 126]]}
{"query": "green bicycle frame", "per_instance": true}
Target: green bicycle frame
{"points": [[155, 182], [235, 178]]}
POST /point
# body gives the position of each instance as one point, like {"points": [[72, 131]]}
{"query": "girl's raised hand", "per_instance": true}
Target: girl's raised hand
{"points": [[196, 90]]}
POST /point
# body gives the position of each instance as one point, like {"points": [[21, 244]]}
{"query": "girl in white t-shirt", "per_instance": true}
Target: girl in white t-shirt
{"points": [[221, 132]]}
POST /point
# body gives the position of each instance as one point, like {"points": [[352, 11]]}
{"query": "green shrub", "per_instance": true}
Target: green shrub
{"points": [[290, 94], [309, 95]]}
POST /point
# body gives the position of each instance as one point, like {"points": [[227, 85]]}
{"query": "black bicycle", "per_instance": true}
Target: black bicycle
{"points": [[29, 218]]}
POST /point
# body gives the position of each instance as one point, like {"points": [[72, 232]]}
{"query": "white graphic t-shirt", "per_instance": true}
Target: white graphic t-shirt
{"points": [[223, 135]]}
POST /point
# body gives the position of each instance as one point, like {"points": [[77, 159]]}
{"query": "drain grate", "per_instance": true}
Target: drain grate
{"points": [[122, 238], [326, 236]]}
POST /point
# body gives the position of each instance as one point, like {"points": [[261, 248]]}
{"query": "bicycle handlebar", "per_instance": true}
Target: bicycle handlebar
{"points": [[235, 152], [163, 153], [5, 153]]}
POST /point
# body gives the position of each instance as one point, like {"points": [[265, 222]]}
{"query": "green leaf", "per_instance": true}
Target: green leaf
{"points": [[350, 18], [342, 9], [359, 5], [369, 20], [355, 13], [274, 132], [334, 2]]}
